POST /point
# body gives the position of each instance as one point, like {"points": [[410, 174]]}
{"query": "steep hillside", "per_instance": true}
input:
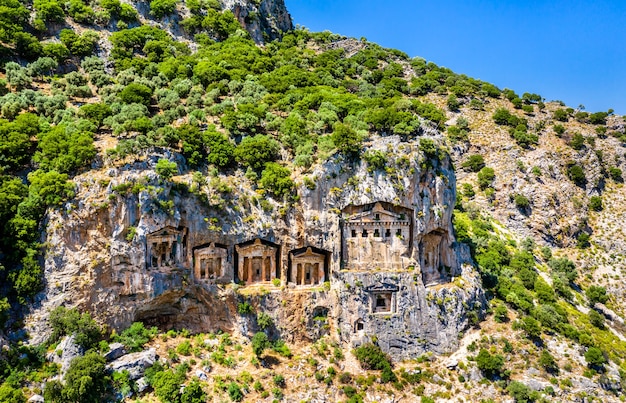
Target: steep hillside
{"points": [[203, 204]]}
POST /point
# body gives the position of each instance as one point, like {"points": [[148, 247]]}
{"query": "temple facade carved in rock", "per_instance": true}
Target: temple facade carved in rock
{"points": [[377, 236], [210, 264], [166, 248], [308, 267], [257, 261]]}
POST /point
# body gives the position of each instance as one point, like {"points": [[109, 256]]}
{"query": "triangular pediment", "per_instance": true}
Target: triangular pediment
{"points": [[382, 287], [165, 231]]}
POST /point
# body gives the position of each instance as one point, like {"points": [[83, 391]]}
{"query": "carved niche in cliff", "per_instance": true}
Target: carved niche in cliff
{"points": [[376, 236], [257, 261], [436, 258], [166, 247], [382, 297], [308, 266], [210, 264]]}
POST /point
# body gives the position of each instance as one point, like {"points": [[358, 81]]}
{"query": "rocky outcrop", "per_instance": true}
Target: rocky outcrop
{"points": [[265, 20], [128, 256], [134, 363]]}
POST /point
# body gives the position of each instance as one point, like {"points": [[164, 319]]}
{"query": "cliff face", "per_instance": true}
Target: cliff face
{"points": [[134, 247], [264, 20]]}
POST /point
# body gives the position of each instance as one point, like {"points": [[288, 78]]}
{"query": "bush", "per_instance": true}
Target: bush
{"points": [[347, 141], [595, 357], [474, 163], [501, 313], [256, 151], [161, 8], [67, 322], [135, 93], [547, 361], [276, 179], [616, 174], [136, 336], [521, 201], [565, 267], [485, 177], [577, 175], [86, 381], [595, 203], [596, 319], [260, 342], [520, 392], [370, 356], [577, 142], [596, 294], [489, 364], [530, 326], [561, 115], [166, 169]]}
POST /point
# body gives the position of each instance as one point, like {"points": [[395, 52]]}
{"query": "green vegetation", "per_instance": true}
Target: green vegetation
{"points": [[371, 357]]}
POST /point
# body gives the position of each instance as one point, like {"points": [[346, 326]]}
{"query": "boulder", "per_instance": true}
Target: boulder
{"points": [[116, 350], [134, 363]]}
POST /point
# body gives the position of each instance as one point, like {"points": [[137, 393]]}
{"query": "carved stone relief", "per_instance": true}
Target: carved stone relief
{"points": [[257, 262], [376, 236], [307, 267], [210, 263], [166, 247]]}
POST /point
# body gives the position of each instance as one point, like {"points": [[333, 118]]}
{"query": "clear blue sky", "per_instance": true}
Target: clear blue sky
{"points": [[574, 51]]}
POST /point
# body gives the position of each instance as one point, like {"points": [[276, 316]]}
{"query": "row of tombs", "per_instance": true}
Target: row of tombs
{"points": [[378, 236]]}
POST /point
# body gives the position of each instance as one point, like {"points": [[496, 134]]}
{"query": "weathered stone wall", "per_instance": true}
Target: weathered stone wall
{"points": [[98, 249]]}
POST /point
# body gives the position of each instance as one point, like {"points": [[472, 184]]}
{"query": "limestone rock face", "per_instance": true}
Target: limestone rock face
{"points": [[265, 20], [363, 255]]}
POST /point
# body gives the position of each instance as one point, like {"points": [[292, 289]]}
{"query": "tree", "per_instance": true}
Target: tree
{"points": [[67, 322], [42, 66], [166, 169], [596, 294], [564, 266], [577, 175], [50, 188], [161, 8], [595, 357], [474, 163], [135, 93], [596, 319], [276, 179], [347, 141], [221, 149], [86, 381], [193, 393], [260, 342], [547, 361], [595, 203], [520, 392], [485, 177], [256, 151], [577, 142], [489, 364]]}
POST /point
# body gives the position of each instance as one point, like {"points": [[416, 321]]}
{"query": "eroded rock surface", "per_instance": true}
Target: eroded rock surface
{"points": [[163, 256]]}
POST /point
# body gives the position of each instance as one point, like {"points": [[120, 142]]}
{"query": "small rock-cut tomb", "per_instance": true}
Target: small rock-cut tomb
{"points": [[256, 262], [308, 267], [210, 263], [167, 247]]}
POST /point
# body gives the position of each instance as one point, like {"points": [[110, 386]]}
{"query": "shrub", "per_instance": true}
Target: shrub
{"points": [[347, 141], [616, 174], [86, 381], [264, 321], [521, 201], [596, 294], [161, 8], [561, 115], [596, 319], [520, 392], [135, 93], [577, 142], [577, 175], [276, 179], [453, 103], [489, 364], [256, 151], [564, 266], [474, 163], [136, 336], [501, 314], [595, 357], [547, 361], [260, 342], [370, 356], [485, 177], [595, 203], [67, 322], [245, 308], [166, 169], [530, 326]]}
